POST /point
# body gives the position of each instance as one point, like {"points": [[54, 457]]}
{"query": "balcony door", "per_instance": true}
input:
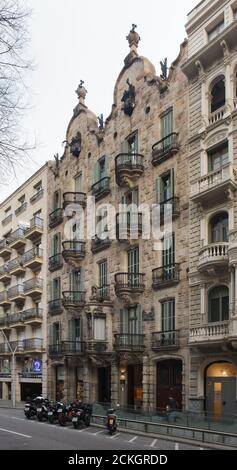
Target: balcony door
{"points": [[74, 333], [218, 310], [168, 322], [131, 323], [168, 257], [219, 228], [133, 266], [166, 128]]}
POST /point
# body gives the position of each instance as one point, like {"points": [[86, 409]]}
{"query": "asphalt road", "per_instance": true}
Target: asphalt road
{"points": [[18, 433]]}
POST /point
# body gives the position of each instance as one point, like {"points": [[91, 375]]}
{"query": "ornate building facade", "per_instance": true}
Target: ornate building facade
{"points": [[212, 72], [118, 307]]}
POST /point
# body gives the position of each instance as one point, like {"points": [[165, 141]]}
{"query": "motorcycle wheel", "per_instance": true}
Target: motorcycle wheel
{"points": [[75, 425], [40, 417], [50, 419], [87, 421], [62, 421], [111, 431], [27, 415]]}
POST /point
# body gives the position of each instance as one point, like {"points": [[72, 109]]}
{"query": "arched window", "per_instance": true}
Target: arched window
{"points": [[218, 304], [219, 228], [218, 93]]}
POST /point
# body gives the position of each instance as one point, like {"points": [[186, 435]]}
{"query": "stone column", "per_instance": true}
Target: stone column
{"points": [[202, 304], [114, 383], [146, 383], [232, 292], [86, 384], [235, 290]]}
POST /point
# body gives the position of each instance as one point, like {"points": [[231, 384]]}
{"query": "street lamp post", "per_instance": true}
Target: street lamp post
{"points": [[13, 352]]}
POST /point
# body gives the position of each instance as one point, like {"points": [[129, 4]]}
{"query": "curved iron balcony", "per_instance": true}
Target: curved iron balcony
{"points": [[55, 262], [55, 350], [128, 225], [73, 250], [165, 340], [55, 217], [214, 255], [95, 346], [74, 198], [98, 244], [129, 342], [55, 307], [73, 299], [128, 165], [165, 276], [164, 148], [129, 283], [73, 347], [101, 188]]}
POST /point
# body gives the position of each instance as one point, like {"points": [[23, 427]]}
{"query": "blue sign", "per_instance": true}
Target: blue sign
{"points": [[37, 365]]}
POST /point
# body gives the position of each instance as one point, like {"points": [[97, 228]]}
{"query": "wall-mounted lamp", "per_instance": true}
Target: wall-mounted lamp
{"points": [[122, 378]]}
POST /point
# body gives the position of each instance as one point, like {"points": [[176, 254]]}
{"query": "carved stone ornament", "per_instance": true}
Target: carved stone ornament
{"points": [[128, 99], [75, 145], [148, 316], [133, 38]]}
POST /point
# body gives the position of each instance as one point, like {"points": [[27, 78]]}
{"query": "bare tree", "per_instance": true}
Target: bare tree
{"points": [[13, 65]]}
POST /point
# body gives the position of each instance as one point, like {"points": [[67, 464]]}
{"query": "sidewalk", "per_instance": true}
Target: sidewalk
{"points": [[8, 404]]}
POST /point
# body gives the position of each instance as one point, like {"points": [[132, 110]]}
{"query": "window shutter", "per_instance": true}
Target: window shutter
{"points": [[82, 280], [96, 170], [124, 320], [124, 147], [106, 166], [60, 332], [51, 334], [172, 182], [71, 330], [158, 190], [139, 319]]}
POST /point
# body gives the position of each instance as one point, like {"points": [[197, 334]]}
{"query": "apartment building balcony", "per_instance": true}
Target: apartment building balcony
{"points": [[211, 334], [33, 345], [165, 340], [17, 239], [74, 299], [129, 283], [55, 307], [33, 316], [33, 258], [217, 115], [55, 350], [128, 225], [38, 195], [213, 256], [166, 276], [55, 217], [128, 167], [21, 208], [96, 347], [211, 189], [98, 244], [7, 220], [34, 287], [5, 250], [4, 322], [73, 250], [55, 262], [5, 302], [77, 198], [73, 347], [16, 293], [35, 230], [169, 206], [16, 267], [129, 342], [165, 148], [16, 320], [101, 188], [5, 276]]}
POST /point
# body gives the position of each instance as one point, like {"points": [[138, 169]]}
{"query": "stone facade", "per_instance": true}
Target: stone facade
{"points": [[23, 293], [211, 69], [145, 312]]}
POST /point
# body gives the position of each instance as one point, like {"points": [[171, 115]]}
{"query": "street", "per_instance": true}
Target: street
{"points": [[18, 433]]}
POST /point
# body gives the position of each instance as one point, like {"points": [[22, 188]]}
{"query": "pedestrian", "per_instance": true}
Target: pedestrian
{"points": [[172, 408]]}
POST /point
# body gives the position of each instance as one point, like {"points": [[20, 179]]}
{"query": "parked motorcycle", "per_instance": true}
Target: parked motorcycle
{"points": [[81, 414], [30, 409], [111, 421]]}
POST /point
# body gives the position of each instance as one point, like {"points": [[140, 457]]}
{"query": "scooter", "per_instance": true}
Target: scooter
{"points": [[111, 421]]}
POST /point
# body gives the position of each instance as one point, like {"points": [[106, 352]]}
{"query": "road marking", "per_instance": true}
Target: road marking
{"points": [[133, 439], [201, 448], [17, 433], [14, 417], [99, 432], [116, 435], [153, 443], [176, 446]]}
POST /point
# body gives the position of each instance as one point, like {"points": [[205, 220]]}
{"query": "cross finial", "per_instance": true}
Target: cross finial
{"points": [[81, 83], [134, 26]]}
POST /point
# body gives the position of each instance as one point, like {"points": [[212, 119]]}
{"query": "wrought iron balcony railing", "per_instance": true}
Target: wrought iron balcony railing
{"points": [[73, 298], [98, 244], [32, 254], [165, 339], [55, 262], [56, 217], [164, 148], [130, 281], [73, 347], [126, 341], [34, 283], [55, 306], [74, 198], [165, 276], [101, 188]]}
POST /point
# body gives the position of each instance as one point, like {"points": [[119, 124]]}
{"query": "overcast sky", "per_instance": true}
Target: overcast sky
{"points": [[76, 39]]}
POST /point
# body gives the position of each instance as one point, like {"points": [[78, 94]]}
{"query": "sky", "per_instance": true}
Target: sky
{"points": [[72, 40]]}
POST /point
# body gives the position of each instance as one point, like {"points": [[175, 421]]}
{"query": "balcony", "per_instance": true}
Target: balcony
{"points": [[16, 320], [73, 251], [128, 225], [165, 340], [101, 188], [35, 230], [17, 239], [16, 293], [129, 283], [165, 148], [38, 195], [55, 307], [74, 198], [16, 267], [5, 250], [97, 244], [3, 322], [34, 287], [96, 347], [33, 316], [129, 342], [73, 347], [4, 274], [166, 276], [32, 345], [56, 217], [73, 299], [55, 262], [217, 115], [210, 334], [212, 188], [167, 206], [7, 220], [33, 258], [128, 167], [214, 256], [55, 350], [21, 208], [4, 299]]}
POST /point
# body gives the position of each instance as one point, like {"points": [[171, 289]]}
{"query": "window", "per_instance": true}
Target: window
{"points": [[130, 197], [165, 187], [218, 94], [103, 278], [166, 123], [56, 244], [7, 210], [74, 330], [56, 200], [22, 200], [132, 144], [101, 169], [219, 231], [168, 315], [56, 334], [168, 257], [78, 183], [133, 261], [99, 329], [56, 289], [218, 158], [77, 280], [102, 223], [131, 320], [218, 309], [38, 187], [214, 32]]}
